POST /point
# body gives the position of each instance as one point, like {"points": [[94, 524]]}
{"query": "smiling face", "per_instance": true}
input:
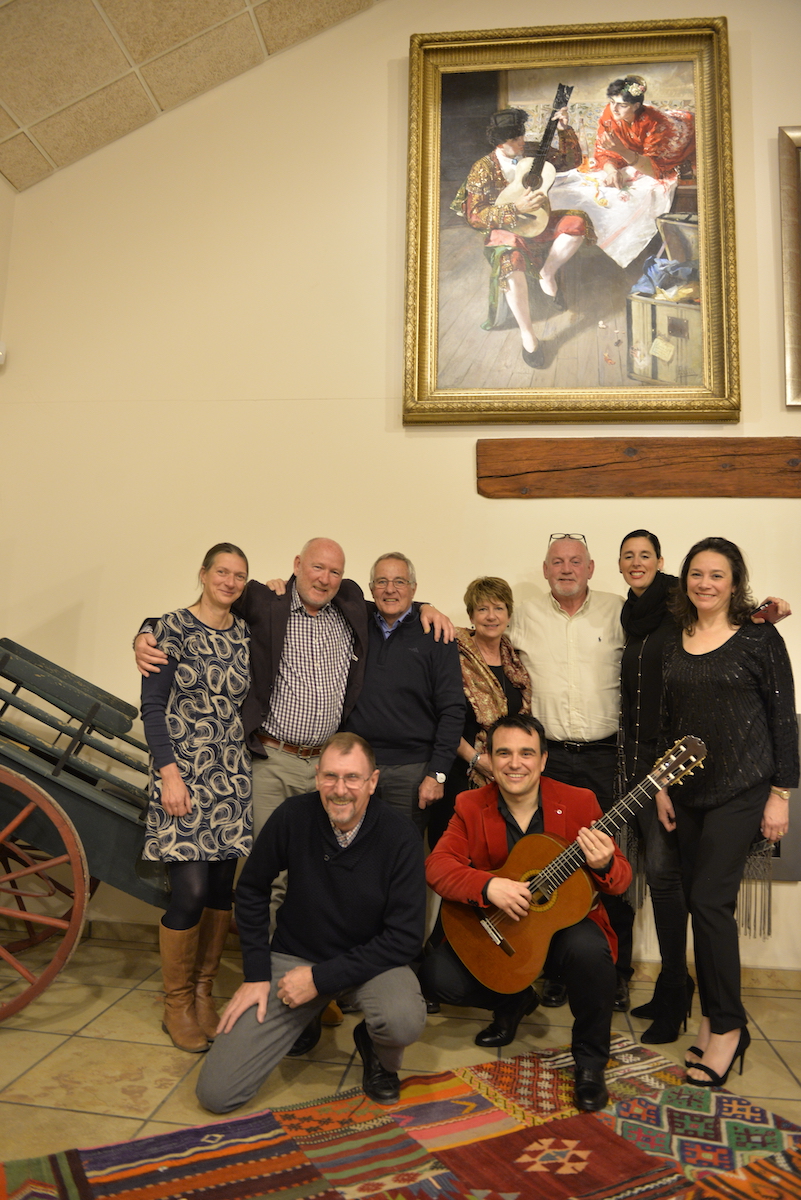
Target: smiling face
{"points": [[639, 564], [318, 573], [517, 763], [710, 584], [345, 783], [392, 590], [490, 618], [224, 581], [568, 569]]}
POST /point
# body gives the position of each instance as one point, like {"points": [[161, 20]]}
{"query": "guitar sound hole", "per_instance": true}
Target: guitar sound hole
{"points": [[540, 900]]}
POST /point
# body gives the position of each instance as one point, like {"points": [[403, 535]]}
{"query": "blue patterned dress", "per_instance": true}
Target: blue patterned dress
{"points": [[210, 671]]}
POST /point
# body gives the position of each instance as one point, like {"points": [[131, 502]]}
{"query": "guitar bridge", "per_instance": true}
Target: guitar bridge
{"points": [[497, 938]]}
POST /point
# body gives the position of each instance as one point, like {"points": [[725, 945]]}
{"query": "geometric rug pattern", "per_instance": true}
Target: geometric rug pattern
{"points": [[504, 1130]]}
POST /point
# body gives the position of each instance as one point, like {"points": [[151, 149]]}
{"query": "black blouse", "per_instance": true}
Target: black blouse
{"points": [[739, 700]]}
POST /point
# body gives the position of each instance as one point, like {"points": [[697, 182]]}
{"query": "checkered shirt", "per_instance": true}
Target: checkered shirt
{"points": [[309, 689]]}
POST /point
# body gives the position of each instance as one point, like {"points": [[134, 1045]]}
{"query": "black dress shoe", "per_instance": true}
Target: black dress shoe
{"points": [[506, 1018], [534, 358], [308, 1039], [590, 1089], [432, 1006], [380, 1085], [553, 994], [622, 1000]]}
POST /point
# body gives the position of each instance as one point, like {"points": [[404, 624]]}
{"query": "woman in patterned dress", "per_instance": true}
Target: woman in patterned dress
{"points": [[199, 820]]}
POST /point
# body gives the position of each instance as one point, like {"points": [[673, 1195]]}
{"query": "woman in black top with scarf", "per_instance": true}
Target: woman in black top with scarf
{"points": [[648, 626]]}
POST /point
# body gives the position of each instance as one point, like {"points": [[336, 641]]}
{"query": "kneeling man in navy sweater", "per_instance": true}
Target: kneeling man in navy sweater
{"points": [[352, 922]]}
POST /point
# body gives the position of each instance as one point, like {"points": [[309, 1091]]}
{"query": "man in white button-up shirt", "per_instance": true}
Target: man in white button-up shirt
{"points": [[571, 641]]}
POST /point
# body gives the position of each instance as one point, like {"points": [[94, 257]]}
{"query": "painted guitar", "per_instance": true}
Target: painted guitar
{"points": [[536, 173], [508, 955]]}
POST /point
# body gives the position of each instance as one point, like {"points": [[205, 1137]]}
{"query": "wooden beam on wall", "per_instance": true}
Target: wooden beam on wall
{"points": [[540, 468]]}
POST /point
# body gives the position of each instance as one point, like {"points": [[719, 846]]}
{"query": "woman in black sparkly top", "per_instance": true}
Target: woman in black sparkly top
{"points": [[648, 625], [729, 682]]}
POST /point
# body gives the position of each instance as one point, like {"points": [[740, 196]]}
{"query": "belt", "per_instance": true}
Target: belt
{"points": [[578, 747], [299, 751]]}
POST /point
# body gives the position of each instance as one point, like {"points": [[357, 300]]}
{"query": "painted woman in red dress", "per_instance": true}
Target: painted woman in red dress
{"points": [[634, 137]]}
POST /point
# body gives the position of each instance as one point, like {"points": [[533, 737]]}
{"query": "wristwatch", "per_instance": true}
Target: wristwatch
{"points": [[438, 775]]}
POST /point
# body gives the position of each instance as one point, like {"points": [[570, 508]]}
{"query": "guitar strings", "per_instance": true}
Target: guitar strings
{"points": [[566, 863]]}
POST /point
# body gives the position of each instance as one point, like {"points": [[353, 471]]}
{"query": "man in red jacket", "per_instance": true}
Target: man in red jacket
{"points": [[486, 826]]}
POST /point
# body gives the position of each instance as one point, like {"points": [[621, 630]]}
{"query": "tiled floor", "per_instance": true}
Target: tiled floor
{"points": [[87, 1063]]}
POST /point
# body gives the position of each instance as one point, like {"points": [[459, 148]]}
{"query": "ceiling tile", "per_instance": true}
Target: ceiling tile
{"points": [[7, 126], [51, 53], [21, 163], [284, 22], [149, 27], [95, 121], [210, 59]]}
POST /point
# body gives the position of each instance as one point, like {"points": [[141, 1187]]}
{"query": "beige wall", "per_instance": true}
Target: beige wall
{"points": [[204, 328]]}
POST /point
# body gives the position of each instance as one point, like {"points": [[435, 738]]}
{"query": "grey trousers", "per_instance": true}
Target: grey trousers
{"points": [[239, 1062], [398, 785], [274, 778]]}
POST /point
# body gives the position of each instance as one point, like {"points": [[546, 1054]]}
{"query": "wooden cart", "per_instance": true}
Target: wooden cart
{"points": [[71, 815]]}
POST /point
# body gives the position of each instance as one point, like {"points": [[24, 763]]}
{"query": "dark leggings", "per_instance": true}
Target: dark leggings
{"points": [[195, 886]]}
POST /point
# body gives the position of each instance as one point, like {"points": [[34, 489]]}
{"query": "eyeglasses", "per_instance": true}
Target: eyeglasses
{"points": [[383, 584], [573, 537], [351, 782]]}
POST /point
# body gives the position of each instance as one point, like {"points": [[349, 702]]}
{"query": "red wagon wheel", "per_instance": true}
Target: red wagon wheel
{"points": [[34, 886]]}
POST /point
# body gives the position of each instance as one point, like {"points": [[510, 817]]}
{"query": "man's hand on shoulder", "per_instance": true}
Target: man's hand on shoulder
{"points": [[276, 585], [432, 618], [246, 995], [148, 656]]}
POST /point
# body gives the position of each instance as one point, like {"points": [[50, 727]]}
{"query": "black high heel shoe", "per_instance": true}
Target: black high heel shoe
{"points": [[673, 1006], [716, 1080]]}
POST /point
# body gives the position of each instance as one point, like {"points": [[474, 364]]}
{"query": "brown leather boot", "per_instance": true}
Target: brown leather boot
{"points": [[214, 926], [178, 954]]}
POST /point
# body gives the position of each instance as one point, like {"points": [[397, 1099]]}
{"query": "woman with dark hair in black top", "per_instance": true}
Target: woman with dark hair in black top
{"points": [[648, 625], [729, 682]]}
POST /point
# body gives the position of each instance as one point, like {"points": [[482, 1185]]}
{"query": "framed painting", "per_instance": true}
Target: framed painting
{"points": [[790, 192], [570, 229]]}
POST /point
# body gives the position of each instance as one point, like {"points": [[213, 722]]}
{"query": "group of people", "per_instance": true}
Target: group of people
{"points": [[379, 721], [633, 139]]}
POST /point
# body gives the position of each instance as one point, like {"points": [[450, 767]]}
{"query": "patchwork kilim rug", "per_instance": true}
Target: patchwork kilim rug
{"points": [[505, 1130]]}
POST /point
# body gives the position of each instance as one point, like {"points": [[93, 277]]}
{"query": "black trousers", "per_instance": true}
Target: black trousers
{"points": [[579, 956], [713, 846], [594, 767]]}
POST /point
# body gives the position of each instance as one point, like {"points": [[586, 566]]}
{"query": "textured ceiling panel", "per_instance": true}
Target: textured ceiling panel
{"points": [[204, 63], [95, 121], [150, 27], [21, 162], [52, 52], [284, 22], [78, 74]]}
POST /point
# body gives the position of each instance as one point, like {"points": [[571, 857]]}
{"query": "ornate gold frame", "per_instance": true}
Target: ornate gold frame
{"points": [[702, 42], [790, 192]]}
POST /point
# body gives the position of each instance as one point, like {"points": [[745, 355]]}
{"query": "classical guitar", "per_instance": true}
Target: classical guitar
{"points": [[507, 955], [536, 173]]}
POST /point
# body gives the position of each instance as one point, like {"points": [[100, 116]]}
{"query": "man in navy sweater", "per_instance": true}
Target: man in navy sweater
{"points": [[351, 923], [411, 707]]}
